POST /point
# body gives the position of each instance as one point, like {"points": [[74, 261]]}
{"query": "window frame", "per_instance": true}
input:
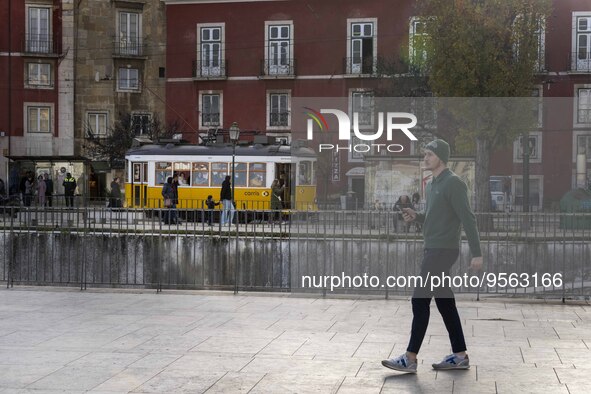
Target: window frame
{"points": [[580, 65], [577, 107], [29, 84], [49, 41], [141, 115], [39, 106], [97, 114], [123, 43], [269, 108], [128, 89], [537, 137], [287, 69], [220, 70], [350, 43], [202, 95]]}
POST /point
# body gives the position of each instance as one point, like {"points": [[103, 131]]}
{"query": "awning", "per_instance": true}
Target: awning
{"points": [[356, 171], [36, 159], [101, 166]]}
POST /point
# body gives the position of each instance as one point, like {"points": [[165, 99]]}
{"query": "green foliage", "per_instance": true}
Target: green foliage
{"points": [[484, 49]]}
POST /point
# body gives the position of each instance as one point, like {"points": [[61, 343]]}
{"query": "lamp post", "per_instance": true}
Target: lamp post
{"points": [[234, 136]]}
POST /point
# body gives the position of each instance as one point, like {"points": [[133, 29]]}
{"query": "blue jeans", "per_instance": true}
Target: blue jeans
{"points": [[228, 211]]}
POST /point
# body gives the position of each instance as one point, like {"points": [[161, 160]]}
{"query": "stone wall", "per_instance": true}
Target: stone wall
{"points": [[210, 261]]}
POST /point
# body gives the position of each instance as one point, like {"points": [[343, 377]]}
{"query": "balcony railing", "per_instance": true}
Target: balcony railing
{"points": [[43, 44], [210, 119], [279, 119], [210, 71], [126, 47], [360, 66], [580, 61], [278, 67]]}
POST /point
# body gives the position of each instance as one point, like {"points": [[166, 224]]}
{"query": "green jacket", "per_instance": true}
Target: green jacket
{"points": [[448, 208]]}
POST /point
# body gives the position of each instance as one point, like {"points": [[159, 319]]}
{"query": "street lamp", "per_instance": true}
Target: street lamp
{"points": [[234, 136]]}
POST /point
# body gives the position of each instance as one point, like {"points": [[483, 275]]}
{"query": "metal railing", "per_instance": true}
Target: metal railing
{"points": [[40, 44], [580, 61], [127, 47], [206, 71], [92, 245], [361, 66], [282, 67]]}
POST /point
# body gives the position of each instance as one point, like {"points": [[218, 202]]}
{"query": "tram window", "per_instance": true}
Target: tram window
{"points": [[183, 170], [163, 171], [314, 173], [305, 174], [200, 174], [257, 175], [240, 175], [218, 173]]}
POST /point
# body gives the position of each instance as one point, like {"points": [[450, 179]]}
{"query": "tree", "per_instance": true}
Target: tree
{"points": [[120, 136], [485, 49]]}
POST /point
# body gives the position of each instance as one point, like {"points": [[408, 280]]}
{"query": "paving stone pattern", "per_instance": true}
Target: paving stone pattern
{"points": [[113, 341]]}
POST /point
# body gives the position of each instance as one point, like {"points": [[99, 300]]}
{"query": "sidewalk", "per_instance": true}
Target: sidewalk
{"points": [[112, 341]]}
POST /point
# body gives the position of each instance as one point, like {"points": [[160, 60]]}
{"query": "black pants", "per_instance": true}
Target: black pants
{"points": [[69, 200], [436, 262]]}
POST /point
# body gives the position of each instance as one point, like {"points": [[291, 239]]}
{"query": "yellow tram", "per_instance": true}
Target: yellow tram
{"points": [[202, 169]]}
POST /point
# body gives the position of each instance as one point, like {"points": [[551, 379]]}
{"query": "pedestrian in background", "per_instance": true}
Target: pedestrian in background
{"points": [[447, 209], [48, 190], [29, 189], [276, 199], [211, 204], [226, 200], [115, 194], [41, 190], [69, 185]]}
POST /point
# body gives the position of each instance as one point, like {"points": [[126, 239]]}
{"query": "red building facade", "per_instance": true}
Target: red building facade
{"points": [[36, 81], [246, 61]]}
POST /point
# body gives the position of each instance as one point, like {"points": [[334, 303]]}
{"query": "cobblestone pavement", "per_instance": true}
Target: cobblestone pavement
{"points": [[113, 341]]}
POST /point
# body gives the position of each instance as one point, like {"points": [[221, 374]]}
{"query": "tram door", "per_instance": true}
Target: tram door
{"points": [[283, 173], [139, 185]]}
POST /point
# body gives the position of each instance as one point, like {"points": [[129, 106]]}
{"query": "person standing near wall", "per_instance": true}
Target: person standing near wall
{"points": [[48, 190], [447, 208], [226, 199], [115, 194], [69, 189], [41, 189]]}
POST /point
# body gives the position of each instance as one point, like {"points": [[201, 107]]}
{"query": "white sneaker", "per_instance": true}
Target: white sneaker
{"points": [[401, 363]]}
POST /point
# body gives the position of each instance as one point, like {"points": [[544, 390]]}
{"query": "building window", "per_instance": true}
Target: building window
{"points": [[38, 38], [211, 51], [362, 104], [540, 35], [534, 144], [582, 42], [362, 48], [39, 118], [535, 191], [128, 79], [141, 124], [583, 145], [278, 113], [211, 105], [129, 40], [39, 74], [418, 41], [279, 48], [257, 175], [97, 124], [584, 105], [200, 174]]}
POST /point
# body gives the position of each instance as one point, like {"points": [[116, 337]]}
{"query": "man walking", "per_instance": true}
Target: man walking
{"points": [[226, 199], [447, 208]]}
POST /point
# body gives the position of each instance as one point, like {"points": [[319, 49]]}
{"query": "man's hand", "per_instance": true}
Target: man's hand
{"points": [[408, 215], [476, 264]]}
